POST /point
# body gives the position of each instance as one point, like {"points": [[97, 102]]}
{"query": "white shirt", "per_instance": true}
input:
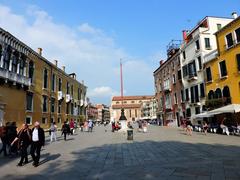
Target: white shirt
{"points": [[35, 135]]}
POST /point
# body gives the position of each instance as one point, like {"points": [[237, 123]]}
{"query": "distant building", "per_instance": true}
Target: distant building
{"points": [[103, 113], [149, 109], [92, 112], [131, 104]]}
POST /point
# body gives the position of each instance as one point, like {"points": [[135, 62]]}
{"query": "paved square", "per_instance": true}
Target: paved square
{"points": [[162, 153]]}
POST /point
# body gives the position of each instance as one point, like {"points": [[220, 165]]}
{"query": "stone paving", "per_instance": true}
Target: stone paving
{"points": [[162, 153]]}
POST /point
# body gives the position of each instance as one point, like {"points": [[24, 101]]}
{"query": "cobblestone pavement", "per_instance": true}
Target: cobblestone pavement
{"points": [[162, 153]]}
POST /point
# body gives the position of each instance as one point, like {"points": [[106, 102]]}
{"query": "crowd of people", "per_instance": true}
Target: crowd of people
{"points": [[17, 141], [14, 141]]}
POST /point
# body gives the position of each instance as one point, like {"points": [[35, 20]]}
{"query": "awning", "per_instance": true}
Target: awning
{"points": [[202, 115], [232, 108]]}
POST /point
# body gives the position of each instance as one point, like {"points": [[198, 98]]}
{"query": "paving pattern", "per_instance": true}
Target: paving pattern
{"points": [[162, 153]]}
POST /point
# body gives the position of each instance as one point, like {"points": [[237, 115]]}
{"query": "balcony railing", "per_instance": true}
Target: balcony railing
{"points": [[217, 103], [16, 78]]}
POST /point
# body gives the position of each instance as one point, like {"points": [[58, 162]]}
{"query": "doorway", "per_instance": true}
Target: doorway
{"points": [[178, 119]]}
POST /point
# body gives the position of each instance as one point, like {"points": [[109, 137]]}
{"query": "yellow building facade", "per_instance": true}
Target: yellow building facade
{"points": [[222, 68], [34, 89]]}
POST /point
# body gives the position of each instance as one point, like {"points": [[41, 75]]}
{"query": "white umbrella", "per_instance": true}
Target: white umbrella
{"points": [[202, 115], [232, 108]]}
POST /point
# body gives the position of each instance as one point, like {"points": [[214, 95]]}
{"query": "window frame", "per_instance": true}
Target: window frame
{"points": [[31, 110], [226, 41], [220, 72], [30, 120]]}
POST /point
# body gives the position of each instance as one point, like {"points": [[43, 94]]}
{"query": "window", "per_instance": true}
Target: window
{"points": [[185, 70], [79, 93], [187, 94], [22, 63], [192, 94], [72, 109], [237, 32], [44, 120], [45, 79], [209, 74], [130, 113], [179, 74], [219, 26], [196, 94], [207, 43], [174, 79], [68, 87], [117, 102], [136, 113], [197, 44], [45, 104], [59, 120], [133, 102], [197, 110], [229, 40], [72, 90], [202, 90], [188, 112], [31, 70], [52, 105], [199, 62], [15, 62], [59, 108], [53, 82], [223, 68], [28, 120], [238, 61], [29, 101], [182, 95], [67, 108], [59, 84], [192, 69], [175, 98], [184, 55], [6, 60]]}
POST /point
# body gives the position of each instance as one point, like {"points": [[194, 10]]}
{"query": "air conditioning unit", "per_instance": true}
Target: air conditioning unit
{"points": [[68, 98]]}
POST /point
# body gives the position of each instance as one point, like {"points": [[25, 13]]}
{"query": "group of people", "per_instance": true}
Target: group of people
{"points": [[116, 126], [14, 141], [142, 126], [87, 126]]}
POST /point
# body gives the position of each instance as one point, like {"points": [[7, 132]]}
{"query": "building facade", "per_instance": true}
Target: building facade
{"points": [[222, 67], [149, 109], [131, 105], [168, 87], [197, 43], [103, 113], [34, 89]]}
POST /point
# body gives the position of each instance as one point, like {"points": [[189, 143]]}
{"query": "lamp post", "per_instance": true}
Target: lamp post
{"points": [[122, 117]]}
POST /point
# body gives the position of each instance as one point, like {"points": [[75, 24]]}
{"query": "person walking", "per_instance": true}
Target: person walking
{"points": [[90, 126], [205, 127], [53, 130], [71, 124], [189, 127], [23, 140], [65, 130], [38, 140], [3, 136], [81, 126]]}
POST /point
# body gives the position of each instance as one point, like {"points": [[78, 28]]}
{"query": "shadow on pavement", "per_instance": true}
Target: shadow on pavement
{"points": [[144, 160]]}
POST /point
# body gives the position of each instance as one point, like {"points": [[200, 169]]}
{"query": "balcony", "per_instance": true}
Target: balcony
{"points": [[15, 78], [68, 98], [167, 88], [192, 77], [217, 103]]}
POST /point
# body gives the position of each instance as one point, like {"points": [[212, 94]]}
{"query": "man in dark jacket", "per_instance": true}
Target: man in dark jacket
{"points": [[38, 140]]}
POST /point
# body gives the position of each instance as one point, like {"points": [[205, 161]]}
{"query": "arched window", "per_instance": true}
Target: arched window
{"points": [[218, 93], [226, 95], [211, 94], [22, 63], [226, 92], [7, 56], [15, 57], [31, 70]]}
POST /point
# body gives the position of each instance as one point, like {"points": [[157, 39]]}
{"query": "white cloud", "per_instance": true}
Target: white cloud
{"points": [[103, 91], [84, 49]]}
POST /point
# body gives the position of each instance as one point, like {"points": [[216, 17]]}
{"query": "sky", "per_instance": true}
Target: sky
{"points": [[90, 37]]}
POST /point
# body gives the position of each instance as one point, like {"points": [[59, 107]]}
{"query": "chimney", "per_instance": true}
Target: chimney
{"points": [[234, 15], [63, 68], [56, 62], [40, 51], [184, 32], [161, 62]]}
